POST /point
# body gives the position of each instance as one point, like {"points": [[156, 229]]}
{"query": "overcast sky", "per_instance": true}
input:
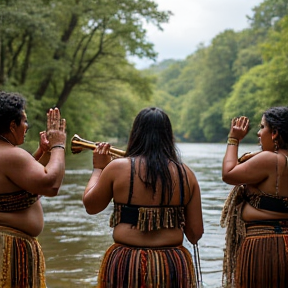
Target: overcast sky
{"points": [[195, 22]]}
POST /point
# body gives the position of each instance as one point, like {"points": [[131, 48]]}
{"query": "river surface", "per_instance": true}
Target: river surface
{"points": [[73, 242]]}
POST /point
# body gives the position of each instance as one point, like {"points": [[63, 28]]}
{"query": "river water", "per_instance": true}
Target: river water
{"points": [[73, 242]]}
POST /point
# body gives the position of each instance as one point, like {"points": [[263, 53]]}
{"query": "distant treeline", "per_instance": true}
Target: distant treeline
{"points": [[239, 73], [73, 54]]}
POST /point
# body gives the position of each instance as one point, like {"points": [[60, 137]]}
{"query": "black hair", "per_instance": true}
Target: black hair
{"points": [[152, 139], [277, 119], [11, 109]]}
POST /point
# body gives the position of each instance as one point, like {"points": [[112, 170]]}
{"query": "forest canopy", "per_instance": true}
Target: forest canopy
{"points": [[75, 55]]}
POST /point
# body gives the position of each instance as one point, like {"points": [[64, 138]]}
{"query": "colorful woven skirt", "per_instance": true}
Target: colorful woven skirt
{"points": [[127, 267], [262, 259], [22, 264]]}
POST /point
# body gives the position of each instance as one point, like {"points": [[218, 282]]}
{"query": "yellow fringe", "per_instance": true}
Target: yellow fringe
{"points": [[22, 264], [153, 218]]}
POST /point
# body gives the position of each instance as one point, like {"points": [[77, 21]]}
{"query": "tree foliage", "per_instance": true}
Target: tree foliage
{"points": [[54, 50], [239, 73], [74, 54]]}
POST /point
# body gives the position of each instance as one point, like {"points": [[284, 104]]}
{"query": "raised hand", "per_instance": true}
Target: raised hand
{"points": [[239, 127], [56, 127], [44, 143], [101, 157]]}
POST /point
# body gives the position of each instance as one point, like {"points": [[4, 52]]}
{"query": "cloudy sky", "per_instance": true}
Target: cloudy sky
{"points": [[195, 22]]}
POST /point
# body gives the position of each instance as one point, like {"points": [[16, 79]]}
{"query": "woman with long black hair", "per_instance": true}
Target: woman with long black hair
{"points": [[156, 200]]}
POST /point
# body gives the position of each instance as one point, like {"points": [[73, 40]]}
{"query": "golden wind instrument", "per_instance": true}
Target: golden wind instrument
{"points": [[78, 144]]}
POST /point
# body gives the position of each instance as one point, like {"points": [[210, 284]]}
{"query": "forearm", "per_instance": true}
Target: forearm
{"points": [[238, 130], [56, 167], [38, 153], [231, 157], [44, 159]]}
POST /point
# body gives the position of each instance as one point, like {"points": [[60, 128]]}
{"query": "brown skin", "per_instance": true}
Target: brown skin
{"points": [[259, 172], [113, 182], [19, 170]]}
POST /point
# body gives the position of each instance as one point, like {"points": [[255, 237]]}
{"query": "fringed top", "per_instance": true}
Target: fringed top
{"points": [[148, 218], [266, 201], [15, 201]]}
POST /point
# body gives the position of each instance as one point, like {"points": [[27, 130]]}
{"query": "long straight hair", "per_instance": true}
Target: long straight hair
{"points": [[152, 140]]}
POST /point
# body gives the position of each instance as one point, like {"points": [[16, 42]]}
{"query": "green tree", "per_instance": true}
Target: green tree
{"points": [[54, 49], [215, 82], [267, 14]]}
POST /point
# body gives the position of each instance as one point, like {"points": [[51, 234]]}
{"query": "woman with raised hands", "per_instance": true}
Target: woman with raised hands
{"points": [[256, 211], [23, 180]]}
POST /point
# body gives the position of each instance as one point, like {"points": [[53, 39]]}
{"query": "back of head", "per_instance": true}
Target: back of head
{"points": [[152, 140], [11, 108], [152, 135], [277, 118]]}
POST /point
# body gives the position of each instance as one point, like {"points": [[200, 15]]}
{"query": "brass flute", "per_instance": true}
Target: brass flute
{"points": [[78, 144]]}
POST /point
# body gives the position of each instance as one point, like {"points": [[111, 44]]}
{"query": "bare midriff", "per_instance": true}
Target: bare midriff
{"points": [[250, 213], [29, 221], [128, 235]]}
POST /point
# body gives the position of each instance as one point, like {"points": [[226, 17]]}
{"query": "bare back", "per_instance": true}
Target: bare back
{"points": [[142, 196], [276, 183]]}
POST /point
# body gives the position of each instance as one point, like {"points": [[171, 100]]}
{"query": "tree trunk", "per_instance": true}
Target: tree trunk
{"points": [[57, 55], [68, 87]]}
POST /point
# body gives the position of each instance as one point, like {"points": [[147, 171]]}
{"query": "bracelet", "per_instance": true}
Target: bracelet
{"points": [[57, 146], [233, 141]]}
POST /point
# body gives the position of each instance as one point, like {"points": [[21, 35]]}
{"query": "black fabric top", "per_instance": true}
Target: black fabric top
{"points": [[148, 217]]}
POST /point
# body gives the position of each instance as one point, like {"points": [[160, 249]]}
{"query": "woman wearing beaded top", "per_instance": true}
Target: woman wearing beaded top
{"points": [[22, 181], [256, 211], [156, 200]]}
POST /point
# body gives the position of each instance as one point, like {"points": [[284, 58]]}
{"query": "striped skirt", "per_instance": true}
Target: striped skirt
{"points": [[137, 267], [22, 264], [262, 259]]}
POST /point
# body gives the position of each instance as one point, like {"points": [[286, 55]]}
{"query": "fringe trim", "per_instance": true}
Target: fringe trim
{"points": [[235, 233], [153, 218], [22, 264], [262, 258], [167, 267]]}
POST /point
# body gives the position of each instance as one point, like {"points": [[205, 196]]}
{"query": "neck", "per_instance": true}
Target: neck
{"points": [[6, 140]]}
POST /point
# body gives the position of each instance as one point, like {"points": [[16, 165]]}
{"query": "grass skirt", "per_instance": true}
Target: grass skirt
{"points": [[22, 264], [126, 267], [262, 260]]}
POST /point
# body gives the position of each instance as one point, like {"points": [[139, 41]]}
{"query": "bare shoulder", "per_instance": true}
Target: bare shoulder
{"points": [[263, 157], [191, 177], [15, 155], [118, 163], [189, 172]]}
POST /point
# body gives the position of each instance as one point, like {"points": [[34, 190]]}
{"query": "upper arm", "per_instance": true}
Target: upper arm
{"points": [[193, 210], [27, 173], [254, 170], [99, 190]]}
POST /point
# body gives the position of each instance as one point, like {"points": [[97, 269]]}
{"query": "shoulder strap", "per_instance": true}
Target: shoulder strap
{"points": [[131, 179], [277, 175], [181, 184]]}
